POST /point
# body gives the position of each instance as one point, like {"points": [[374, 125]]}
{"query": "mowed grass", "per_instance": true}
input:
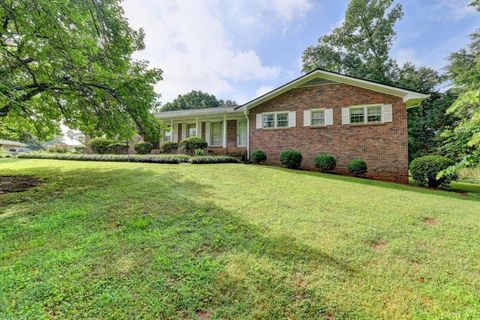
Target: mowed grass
{"points": [[149, 241]]}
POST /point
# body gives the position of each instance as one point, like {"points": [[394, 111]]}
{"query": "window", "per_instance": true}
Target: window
{"points": [[269, 120], [166, 136], [241, 133], [357, 115], [282, 120], [366, 114], [275, 120], [191, 130], [317, 117], [216, 135]]}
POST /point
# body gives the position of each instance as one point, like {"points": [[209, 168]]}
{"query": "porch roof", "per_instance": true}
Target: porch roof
{"points": [[198, 113]]}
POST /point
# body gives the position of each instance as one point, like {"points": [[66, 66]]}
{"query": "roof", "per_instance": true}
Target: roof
{"points": [[196, 112], [12, 143], [410, 98]]}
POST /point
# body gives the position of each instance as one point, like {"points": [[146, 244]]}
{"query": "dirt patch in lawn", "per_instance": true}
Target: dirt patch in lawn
{"points": [[203, 315], [379, 245], [17, 183], [430, 221]]}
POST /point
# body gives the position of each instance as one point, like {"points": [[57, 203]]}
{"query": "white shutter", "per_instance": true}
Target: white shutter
{"points": [[175, 132], [207, 132], [292, 119], [346, 115], [387, 113], [307, 118], [328, 117], [259, 121], [184, 131]]}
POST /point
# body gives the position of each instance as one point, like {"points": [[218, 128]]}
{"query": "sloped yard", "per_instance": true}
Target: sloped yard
{"points": [[130, 240]]}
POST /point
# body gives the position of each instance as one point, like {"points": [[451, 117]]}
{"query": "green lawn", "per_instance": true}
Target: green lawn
{"points": [[154, 241]]}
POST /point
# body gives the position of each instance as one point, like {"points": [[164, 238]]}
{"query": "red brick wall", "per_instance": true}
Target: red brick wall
{"points": [[231, 133], [382, 146]]}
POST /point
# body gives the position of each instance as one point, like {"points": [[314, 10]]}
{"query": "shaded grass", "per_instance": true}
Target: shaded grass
{"points": [[128, 240]]}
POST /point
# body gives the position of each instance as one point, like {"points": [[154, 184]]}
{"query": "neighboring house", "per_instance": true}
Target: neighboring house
{"points": [[319, 112], [10, 145]]}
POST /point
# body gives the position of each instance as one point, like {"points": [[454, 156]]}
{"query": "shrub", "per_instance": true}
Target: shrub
{"points": [[425, 170], [291, 159], [59, 148], [325, 162], [100, 145], [192, 143], [4, 153], [117, 148], [107, 157], [199, 152], [357, 167], [79, 149], [143, 147], [258, 156], [169, 147], [213, 159]]}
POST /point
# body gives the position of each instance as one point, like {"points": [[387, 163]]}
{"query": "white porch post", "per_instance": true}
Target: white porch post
{"points": [[224, 142]]}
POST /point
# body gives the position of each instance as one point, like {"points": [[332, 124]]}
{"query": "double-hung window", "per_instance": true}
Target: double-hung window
{"points": [[216, 135], [275, 120], [317, 117], [191, 130], [366, 114]]}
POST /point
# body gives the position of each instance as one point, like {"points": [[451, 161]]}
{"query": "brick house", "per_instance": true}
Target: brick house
{"points": [[319, 112]]}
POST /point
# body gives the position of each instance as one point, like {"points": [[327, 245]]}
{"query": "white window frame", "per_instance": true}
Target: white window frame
{"points": [[275, 119], [239, 133], [187, 132], [211, 134], [311, 117], [365, 114]]}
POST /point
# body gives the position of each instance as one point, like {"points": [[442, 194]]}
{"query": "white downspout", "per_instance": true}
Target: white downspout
{"points": [[248, 135]]}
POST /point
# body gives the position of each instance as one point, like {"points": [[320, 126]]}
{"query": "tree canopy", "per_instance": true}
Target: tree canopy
{"points": [[71, 62], [196, 100]]}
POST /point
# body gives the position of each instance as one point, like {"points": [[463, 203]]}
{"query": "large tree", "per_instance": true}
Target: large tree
{"points": [[361, 47], [462, 138], [71, 62], [196, 100]]}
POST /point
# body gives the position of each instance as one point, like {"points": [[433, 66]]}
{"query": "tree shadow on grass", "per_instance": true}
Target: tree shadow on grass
{"points": [[451, 193], [165, 221]]}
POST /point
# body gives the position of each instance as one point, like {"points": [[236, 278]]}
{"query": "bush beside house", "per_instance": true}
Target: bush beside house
{"points": [[258, 156], [291, 159], [169, 147], [357, 167], [325, 162], [143, 147], [192, 143], [427, 170]]}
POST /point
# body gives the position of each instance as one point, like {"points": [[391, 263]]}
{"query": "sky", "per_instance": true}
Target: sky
{"points": [[239, 49]]}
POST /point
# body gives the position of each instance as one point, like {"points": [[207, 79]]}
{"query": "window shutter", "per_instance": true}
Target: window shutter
{"points": [[387, 113], [207, 132], [292, 119], [346, 115], [259, 121], [328, 117], [307, 118], [184, 131], [175, 132]]}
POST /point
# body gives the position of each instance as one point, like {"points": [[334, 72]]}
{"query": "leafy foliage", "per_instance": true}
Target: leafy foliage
{"points": [[426, 170], [325, 162], [100, 145], [58, 148], [169, 147], [291, 159], [143, 147], [192, 143], [117, 148], [71, 62], [196, 100], [258, 156], [108, 157], [357, 167], [199, 152], [213, 159]]}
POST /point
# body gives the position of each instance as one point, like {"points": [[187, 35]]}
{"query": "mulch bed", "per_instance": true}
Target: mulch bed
{"points": [[17, 183]]}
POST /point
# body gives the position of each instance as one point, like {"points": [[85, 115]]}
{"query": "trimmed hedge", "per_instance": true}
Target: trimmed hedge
{"points": [[291, 159], [169, 147], [425, 171], [117, 148], [357, 167], [99, 145], [108, 157], [193, 143], [325, 162], [258, 156], [143, 147], [213, 159]]}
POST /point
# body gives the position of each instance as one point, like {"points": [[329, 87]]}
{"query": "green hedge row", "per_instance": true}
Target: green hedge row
{"points": [[175, 158]]}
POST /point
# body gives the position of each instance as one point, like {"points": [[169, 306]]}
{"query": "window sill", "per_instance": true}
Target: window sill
{"points": [[268, 129], [366, 124], [318, 127]]}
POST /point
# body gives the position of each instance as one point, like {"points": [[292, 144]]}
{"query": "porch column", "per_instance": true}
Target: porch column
{"points": [[224, 142]]}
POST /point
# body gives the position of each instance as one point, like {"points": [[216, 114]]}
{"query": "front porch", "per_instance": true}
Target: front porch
{"points": [[225, 133]]}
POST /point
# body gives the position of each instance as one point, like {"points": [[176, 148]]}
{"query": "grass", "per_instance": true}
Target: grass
{"points": [[135, 240]]}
